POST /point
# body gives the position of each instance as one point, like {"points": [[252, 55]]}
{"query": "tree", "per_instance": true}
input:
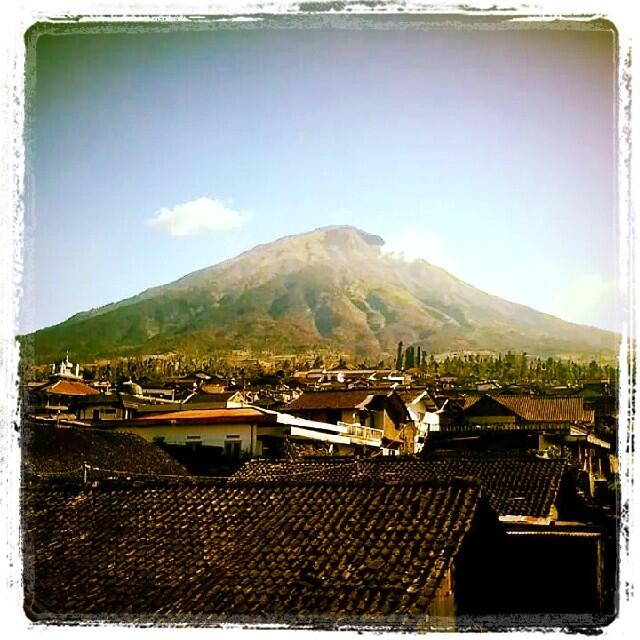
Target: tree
{"points": [[409, 359], [399, 357]]}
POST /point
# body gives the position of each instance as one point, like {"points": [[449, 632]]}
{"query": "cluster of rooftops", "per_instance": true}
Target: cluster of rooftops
{"points": [[363, 507], [115, 529]]}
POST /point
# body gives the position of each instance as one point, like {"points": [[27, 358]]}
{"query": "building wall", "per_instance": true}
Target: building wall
{"points": [[554, 573], [382, 420], [216, 435], [350, 416], [104, 413], [441, 615], [432, 419]]}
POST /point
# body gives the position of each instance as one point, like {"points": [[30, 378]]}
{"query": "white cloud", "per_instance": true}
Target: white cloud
{"points": [[198, 216], [588, 299], [412, 244]]}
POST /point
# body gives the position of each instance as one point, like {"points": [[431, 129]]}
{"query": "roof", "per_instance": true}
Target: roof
{"points": [[61, 451], [556, 409], [514, 485], [321, 553], [206, 416], [69, 388], [411, 395], [147, 403], [203, 398], [329, 400], [538, 408]]}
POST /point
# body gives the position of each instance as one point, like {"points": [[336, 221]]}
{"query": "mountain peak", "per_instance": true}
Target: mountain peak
{"points": [[330, 288], [340, 234]]}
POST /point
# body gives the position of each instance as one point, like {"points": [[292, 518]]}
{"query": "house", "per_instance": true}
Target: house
{"points": [[98, 408], [187, 384], [376, 409], [249, 431], [56, 396], [136, 402], [487, 385], [424, 412], [216, 400], [553, 564], [232, 431], [158, 392], [406, 556], [552, 425], [448, 380]]}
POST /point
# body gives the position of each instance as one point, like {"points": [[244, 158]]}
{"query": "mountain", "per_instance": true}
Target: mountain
{"points": [[330, 288]]}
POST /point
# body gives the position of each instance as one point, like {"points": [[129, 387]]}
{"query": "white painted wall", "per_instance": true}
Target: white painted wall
{"points": [[214, 435]]}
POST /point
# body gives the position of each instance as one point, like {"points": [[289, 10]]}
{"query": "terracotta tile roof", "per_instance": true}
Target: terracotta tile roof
{"points": [[206, 416], [320, 553], [330, 399], [69, 388], [514, 485], [538, 408], [48, 450]]}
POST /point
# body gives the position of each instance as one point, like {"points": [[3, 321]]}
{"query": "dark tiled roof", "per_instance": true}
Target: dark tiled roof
{"points": [[516, 485], [61, 451], [466, 401], [330, 399], [323, 553]]}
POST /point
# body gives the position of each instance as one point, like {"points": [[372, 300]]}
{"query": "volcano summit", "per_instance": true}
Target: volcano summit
{"points": [[333, 287]]}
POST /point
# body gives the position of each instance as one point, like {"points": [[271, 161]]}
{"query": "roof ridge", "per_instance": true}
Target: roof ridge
{"points": [[132, 481]]}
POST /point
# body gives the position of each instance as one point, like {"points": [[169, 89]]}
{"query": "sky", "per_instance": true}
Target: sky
{"points": [[490, 153]]}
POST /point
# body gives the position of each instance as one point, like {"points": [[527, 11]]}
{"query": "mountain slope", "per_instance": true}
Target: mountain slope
{"points": [[332, 287]]}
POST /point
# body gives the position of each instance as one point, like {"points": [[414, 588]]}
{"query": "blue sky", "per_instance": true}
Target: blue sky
{"points": [[490, 153]]}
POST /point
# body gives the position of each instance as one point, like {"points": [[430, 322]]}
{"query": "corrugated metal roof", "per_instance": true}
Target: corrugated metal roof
{"points": [[539, 408]]}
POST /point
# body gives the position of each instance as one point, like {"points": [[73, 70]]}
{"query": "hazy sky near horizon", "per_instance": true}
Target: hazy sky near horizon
{"points": [[490, 153]]}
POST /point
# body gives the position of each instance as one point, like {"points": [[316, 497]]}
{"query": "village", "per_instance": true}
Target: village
{"points": [[416, 497]]}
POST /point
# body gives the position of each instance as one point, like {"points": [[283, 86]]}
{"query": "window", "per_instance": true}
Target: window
{"points": [[232, 448]]}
